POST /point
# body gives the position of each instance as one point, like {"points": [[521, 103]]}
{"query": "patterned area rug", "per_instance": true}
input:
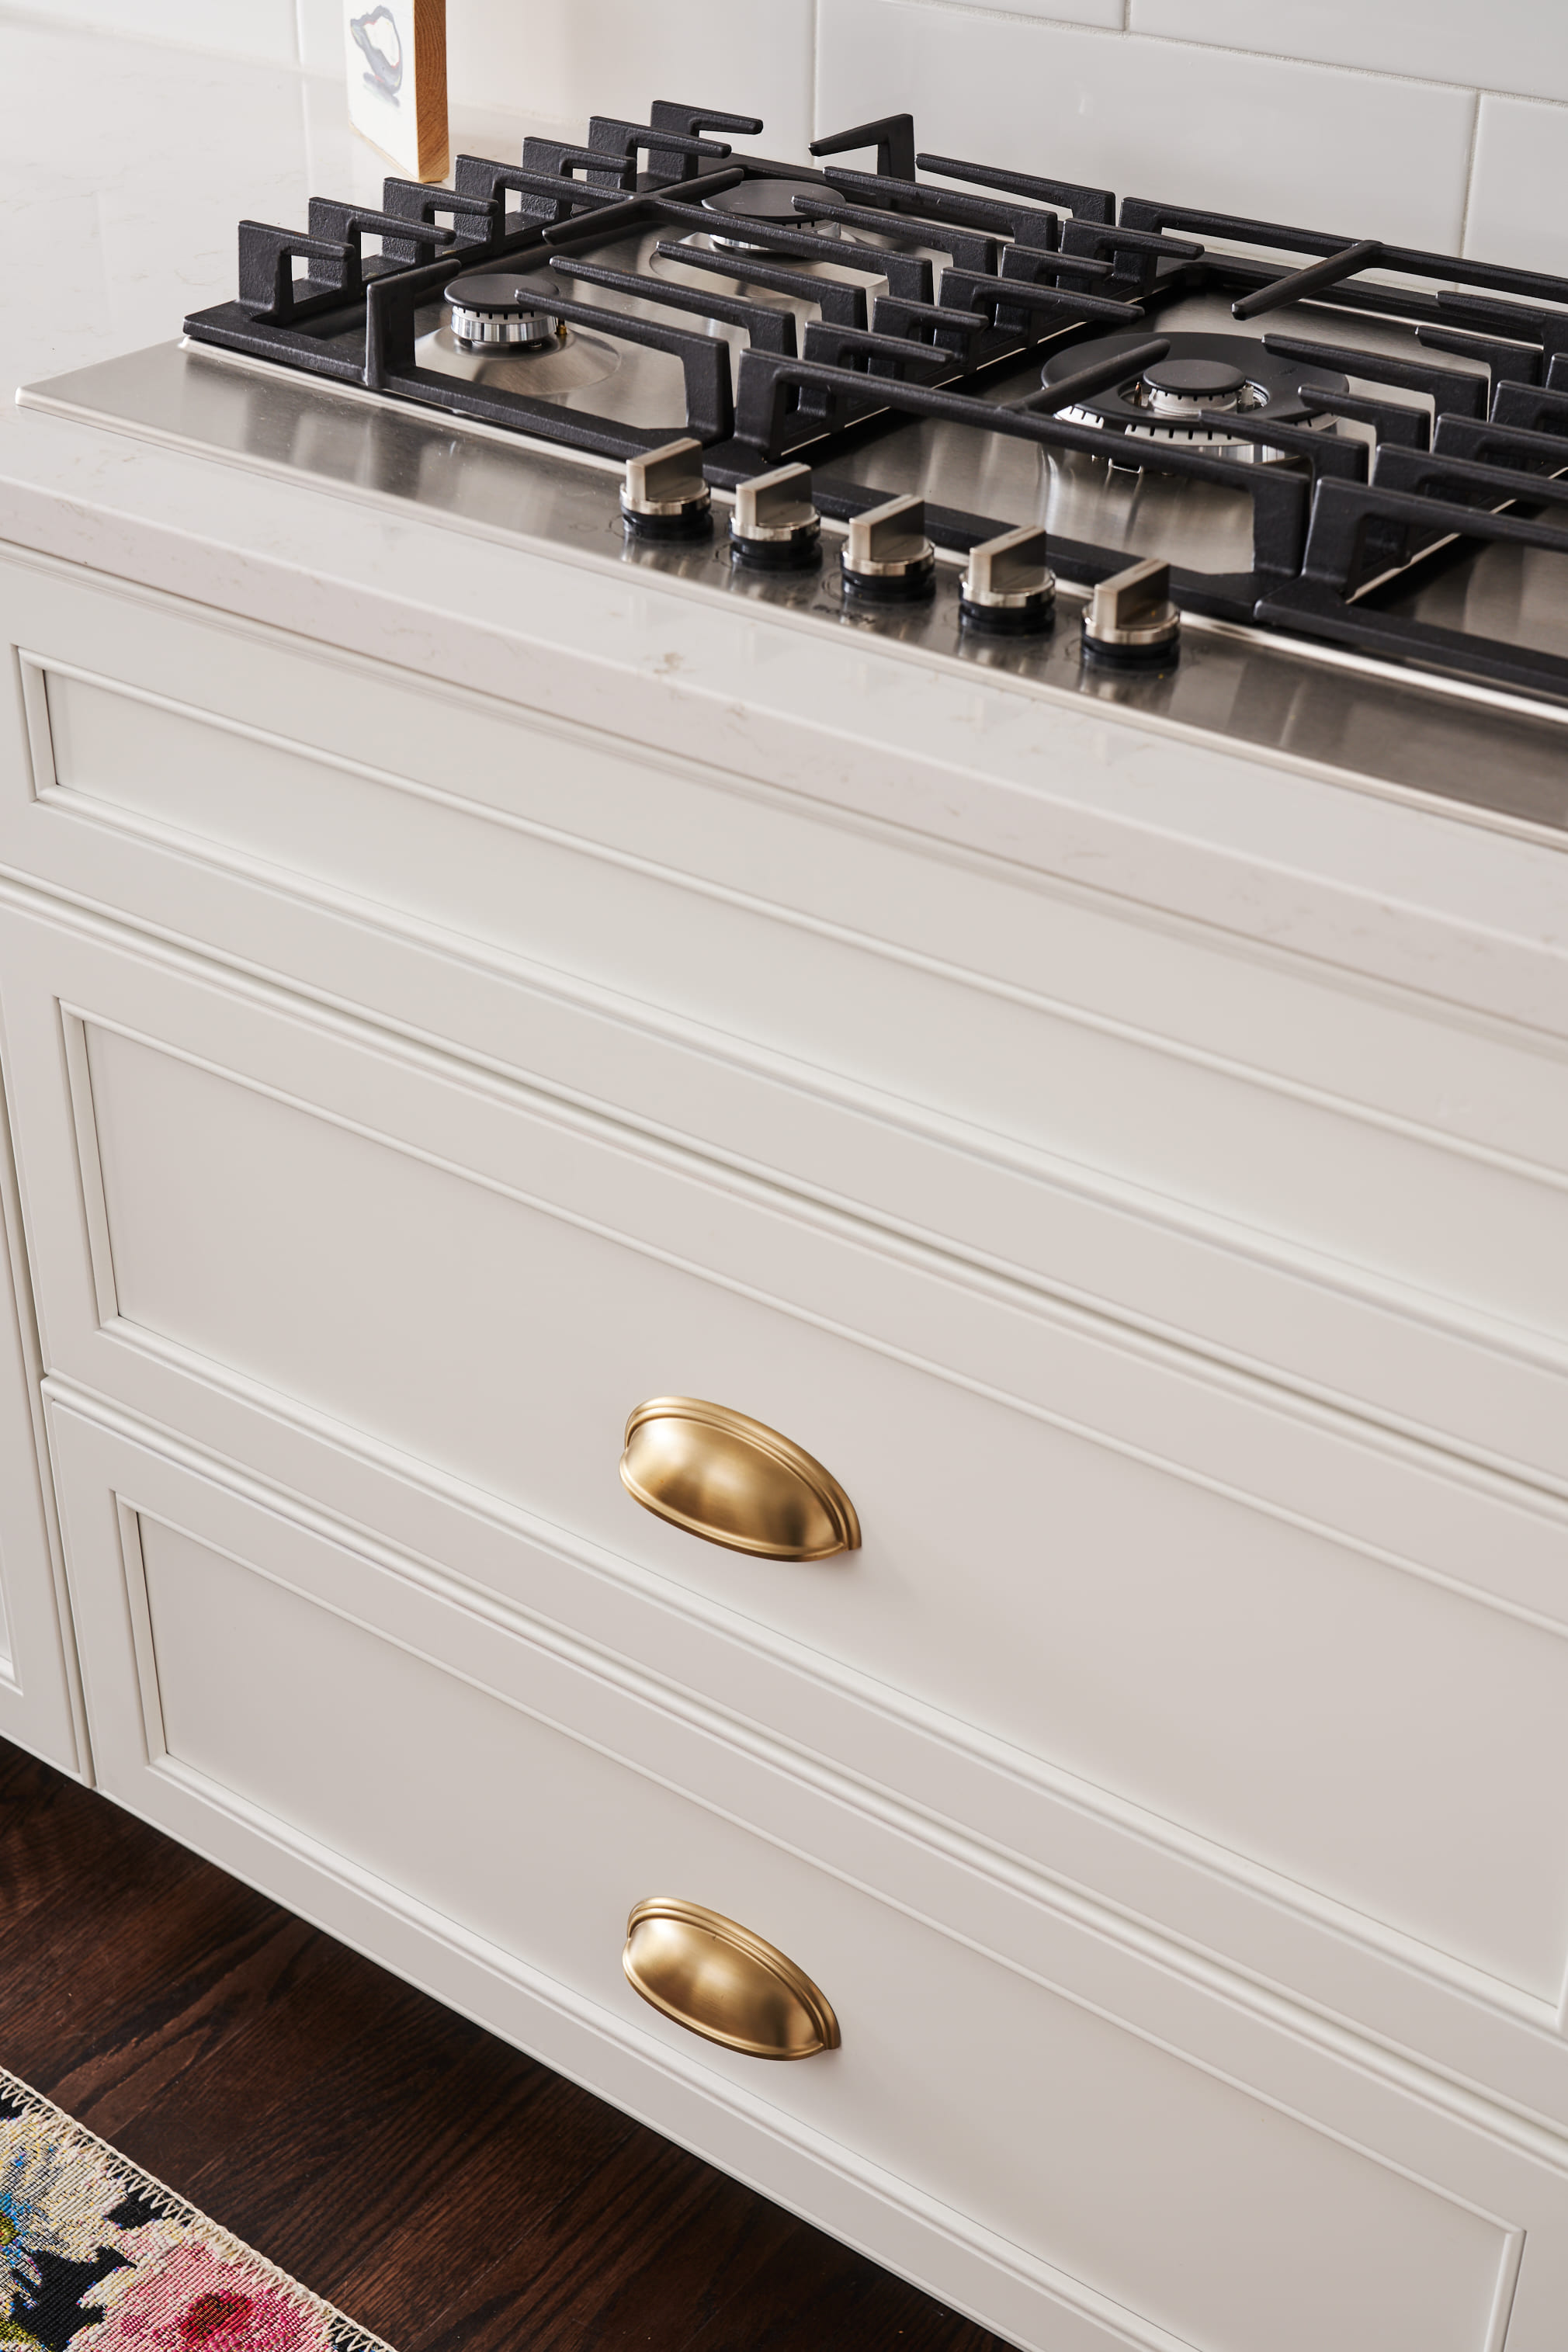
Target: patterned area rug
{"points": [[103, 2258]]}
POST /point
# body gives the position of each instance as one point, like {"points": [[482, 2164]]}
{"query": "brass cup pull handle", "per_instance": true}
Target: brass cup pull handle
{"points": [[715, 1977], [733, 1481]]}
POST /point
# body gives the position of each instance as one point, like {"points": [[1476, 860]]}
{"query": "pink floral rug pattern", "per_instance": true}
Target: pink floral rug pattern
{"points": [[97, 2256]]}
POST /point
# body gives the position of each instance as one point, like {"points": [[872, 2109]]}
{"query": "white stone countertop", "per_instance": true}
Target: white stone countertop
{"points": [[124, 168]]}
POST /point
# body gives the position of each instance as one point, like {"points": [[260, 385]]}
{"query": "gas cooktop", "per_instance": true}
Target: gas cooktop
{"points": [[1331, 440]]}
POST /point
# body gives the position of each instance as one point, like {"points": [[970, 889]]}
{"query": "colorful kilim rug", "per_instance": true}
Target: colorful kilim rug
{"points": [[97, 2256]]}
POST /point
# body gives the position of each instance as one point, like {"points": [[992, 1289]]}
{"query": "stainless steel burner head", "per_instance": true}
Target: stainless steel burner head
{"points": [[492, 310], [1199, 373], [770, 202]]}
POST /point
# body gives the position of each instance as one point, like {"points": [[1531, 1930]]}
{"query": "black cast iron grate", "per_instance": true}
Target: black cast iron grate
{"points": [[1004, 263]]}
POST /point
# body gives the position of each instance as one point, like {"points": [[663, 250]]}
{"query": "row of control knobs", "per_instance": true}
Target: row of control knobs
{"points": [[1008, 587]]}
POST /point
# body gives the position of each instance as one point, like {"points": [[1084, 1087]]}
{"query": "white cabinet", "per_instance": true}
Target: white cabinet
{"points": [[1044, 2123], [1353, 1188], [39, 1702], [1169, 1792], [1173, 1602]]}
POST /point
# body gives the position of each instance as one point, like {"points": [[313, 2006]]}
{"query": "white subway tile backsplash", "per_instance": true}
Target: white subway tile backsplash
{"points": [[135, 250], [1344, 152], [321, 28], [1506, 45], [342, 164], [260, 28], [1425, 121], [1517, 211], [579, 57]]}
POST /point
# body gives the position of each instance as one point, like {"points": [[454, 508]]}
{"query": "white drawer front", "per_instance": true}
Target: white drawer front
{"points": [[1305, 1653], [39, 1699], [1082, 2150], [1352, 1185]]}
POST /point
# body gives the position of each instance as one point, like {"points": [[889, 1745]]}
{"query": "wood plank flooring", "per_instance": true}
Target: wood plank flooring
{"points": [[441, 2187]]}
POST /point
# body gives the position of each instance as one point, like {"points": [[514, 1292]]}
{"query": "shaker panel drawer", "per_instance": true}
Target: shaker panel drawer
{"points": [[1333, 1660], [1346, 1183], [1094, 2153]]}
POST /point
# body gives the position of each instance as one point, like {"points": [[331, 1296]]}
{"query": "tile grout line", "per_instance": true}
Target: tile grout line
{"points": [[1469, 175], [1286, 57], [1128, 31]]}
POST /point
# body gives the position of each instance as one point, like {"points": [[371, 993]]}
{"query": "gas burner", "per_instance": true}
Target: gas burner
{"points": [[1199, 373], [492, 311], [772, 201], [498, 335]]}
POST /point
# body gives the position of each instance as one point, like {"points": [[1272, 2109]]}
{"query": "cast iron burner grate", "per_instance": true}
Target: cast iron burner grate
{"points": [[814, 314]]}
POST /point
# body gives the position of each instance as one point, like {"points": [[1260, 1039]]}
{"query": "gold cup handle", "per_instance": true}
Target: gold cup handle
{"points": [[715, 1977], [733, 1481]]}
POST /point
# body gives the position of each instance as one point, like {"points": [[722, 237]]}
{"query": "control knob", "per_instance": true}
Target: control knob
{"points": [[1131, 618], [1009, 587], [664, 495], [888, 557], [775, 524]]}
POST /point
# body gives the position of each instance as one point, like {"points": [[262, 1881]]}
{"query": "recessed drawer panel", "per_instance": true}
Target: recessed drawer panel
{"points": [[1103, 1092], [1344, 1182], [1084, 2149], [1326, 1658]]}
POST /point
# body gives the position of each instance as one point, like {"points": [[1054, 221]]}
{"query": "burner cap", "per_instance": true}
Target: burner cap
{"points": [[767, 200], [1204, 379], [770, 200], [493, 289]]}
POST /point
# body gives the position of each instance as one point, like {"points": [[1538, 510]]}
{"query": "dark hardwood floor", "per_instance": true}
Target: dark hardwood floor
{"points": [[441, 2187]]}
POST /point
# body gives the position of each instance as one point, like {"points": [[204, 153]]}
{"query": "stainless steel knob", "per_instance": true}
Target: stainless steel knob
{"points": [[1009, 586], [775, 524], [664, 495], [887, 555], [493, 312], [1131, 618]]}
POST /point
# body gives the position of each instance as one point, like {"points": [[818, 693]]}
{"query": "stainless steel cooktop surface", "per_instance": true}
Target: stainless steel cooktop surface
{"points": [[1487, 755]]}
